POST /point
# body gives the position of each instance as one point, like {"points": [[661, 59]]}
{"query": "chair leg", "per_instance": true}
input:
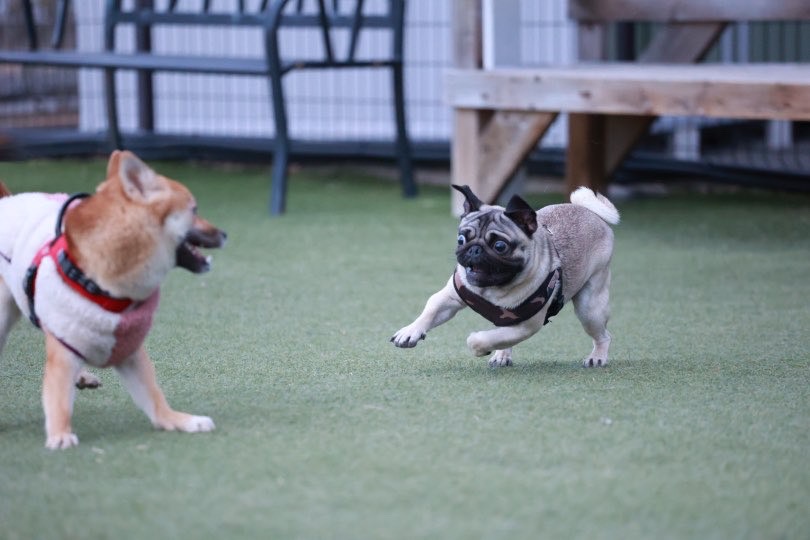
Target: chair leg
{"points": [[278, 197], [281, 152], [404, 154], [113, 130]]}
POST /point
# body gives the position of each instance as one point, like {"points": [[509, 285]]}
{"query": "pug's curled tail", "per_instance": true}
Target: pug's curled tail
{"points": [[596, 203]]}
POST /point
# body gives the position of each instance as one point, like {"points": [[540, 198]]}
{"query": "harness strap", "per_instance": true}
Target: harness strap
{"points": [[69, 272], [548, 291]]}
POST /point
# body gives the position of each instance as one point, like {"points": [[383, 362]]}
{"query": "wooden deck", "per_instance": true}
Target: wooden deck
{"points": [[502, 113], [756, 91]]}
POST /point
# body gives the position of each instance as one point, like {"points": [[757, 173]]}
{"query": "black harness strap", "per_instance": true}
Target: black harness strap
{"points": [[29, 281], [548, 291]]}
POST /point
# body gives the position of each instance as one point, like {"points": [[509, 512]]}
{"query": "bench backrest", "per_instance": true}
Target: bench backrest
{"points": [[324, 15]]}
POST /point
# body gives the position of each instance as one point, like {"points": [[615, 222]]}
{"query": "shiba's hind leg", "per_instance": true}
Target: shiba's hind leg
{"points": [[9, 313], [58, 394]]}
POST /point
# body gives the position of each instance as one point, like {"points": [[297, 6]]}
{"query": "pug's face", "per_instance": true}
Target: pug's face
{"points": [[493, 242]]}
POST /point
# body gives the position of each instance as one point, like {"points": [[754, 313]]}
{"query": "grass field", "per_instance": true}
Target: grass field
{"points": [[698, 429]]}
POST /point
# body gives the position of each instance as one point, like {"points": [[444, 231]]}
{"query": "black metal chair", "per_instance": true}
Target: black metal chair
{"points": [[271, 16]]}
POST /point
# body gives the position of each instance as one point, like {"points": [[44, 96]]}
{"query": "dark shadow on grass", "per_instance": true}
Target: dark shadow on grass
{"points": [[21, 426], [479, 368]]}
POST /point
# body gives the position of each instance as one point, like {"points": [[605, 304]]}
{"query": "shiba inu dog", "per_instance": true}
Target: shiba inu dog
{"points": [[87, 270], [517, 267]]}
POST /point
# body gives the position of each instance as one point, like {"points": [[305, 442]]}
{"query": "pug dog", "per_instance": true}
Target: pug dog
{"points": [[517, 267]]}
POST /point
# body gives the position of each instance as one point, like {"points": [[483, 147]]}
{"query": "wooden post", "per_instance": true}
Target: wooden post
{"points": [[585, 154], [467, 123], [674, 43]]}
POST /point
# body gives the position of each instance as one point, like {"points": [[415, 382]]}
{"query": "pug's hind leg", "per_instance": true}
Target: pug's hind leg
{"points": [[592, 307], [501, 358]]}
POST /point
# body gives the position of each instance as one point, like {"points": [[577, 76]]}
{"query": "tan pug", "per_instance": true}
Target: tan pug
{"points": [[517, 267]]}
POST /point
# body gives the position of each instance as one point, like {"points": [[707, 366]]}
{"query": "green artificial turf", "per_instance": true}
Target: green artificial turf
{"points": [[698, 429]]}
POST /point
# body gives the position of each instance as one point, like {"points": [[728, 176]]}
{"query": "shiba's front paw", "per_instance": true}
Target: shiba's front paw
{"points": [[60, 441], [409, 336], [478, 344], [198, 424], [501, 358], [188, 423]]}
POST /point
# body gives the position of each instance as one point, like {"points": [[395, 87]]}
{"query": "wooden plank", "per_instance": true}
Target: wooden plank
{"points": [[679, 43], [467, 34], [674, 43], [585, 151], [467, 124], [503, 144], [755, 91], [688, 10], [464, 162], [585, 154], [591, 42]]}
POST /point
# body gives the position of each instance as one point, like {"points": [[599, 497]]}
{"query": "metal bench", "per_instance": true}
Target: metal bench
{"points": [[501, 114], [270, 16]]}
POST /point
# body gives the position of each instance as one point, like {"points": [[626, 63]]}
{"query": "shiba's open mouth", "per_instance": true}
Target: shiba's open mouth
{"points": [[191, 258]]}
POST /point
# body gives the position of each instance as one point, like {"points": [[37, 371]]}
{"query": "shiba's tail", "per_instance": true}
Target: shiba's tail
{"points": [[4, 191], [598, 204]]}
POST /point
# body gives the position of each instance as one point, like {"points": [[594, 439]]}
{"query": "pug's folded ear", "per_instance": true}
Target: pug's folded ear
{"points": [[522, 214], [471, 202]]}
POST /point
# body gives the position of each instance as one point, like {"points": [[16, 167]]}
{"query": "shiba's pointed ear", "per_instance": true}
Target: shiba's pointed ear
{"points": [[522, 214], [471, 202], [113, 163], [140, 182]]}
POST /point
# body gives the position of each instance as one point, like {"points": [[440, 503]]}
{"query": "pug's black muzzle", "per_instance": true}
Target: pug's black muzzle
{"points": [[484, 268]]}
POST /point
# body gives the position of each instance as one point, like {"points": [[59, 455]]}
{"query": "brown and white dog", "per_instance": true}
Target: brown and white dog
{"points": [[87, 270]]}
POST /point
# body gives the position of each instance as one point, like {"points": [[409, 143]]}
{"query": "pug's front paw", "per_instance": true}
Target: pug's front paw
{"points": [[501, 358], [408, 337], [478, 344]]}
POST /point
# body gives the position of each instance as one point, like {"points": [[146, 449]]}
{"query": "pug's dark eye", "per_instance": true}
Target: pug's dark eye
{"points": [[500, 246], [461, 239]]}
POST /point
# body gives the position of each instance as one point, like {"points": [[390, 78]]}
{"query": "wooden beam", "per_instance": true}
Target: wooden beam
{"points": [[585, 151], [688, 10], [585, 154], [467, 124], [503, 144], [754, 91], [679, 43], [467, 34], [674, 43], [464, 162]]}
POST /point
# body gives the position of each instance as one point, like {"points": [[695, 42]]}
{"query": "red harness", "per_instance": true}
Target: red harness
{"points": [[70, 273]]}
